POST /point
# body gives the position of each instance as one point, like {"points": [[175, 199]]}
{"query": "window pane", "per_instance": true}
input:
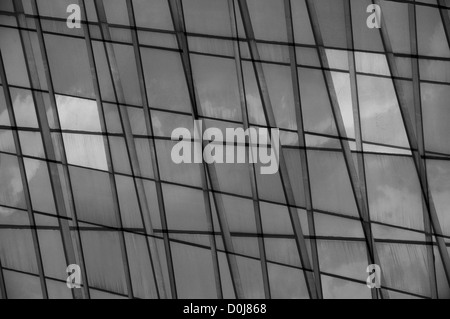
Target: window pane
{"points": [[193, 272], [93, 196], [70, 75], [85, 150], [11, 187], [103, 260]]}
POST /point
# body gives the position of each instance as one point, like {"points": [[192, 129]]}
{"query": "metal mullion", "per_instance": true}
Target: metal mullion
{"points": [[46, 137], [3, 293], [360, 199], [113, 184], [24, 180], [413, 142], [445, 19], [284, 173], [152, 146], [62, 150], [357, 118], [302, 145], [207, 171], [131, 147], [421, 144], [251, 166], [117, 90]]}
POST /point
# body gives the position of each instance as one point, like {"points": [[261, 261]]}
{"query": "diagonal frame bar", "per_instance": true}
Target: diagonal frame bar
{"points": [[356, 114], [26, 191], [360, 199], [445, 19], [251, 166], [208, 170], [149, 126], [413, 142], [302, 145], [133, 157], [284, 174], [106, 143], [61, 150], [421, 143], [49, 147]]}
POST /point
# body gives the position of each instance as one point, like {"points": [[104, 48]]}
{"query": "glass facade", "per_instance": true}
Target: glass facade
{"points": [[359, 91]]}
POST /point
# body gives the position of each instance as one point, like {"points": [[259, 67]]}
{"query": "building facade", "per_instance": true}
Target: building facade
{"points": [[92, 204]]}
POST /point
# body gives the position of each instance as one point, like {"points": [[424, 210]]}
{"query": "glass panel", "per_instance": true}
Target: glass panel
{"points": [[254, 105], [397, 24], [301, 23], [279, 83], [4, 114], [93, 196], [10, 216], [286, 282], [365, 39], [116, 12], [50, 8], [144, 157], [381, 121], [153, 14], [13, 57], [78, 114], [394, 192], [251, 277], [103, 260], [141, 269], [11, 187], [316, 107], [343, 258], [216, 83], [188, 174], [129, 205], [112, 118], [103, 72], [330, 15], [207, 16], [275, 219], [137, 118], [15, 282], [336, 288], [85, 150], [211, 46], [31, 144], [58, 290], [40, 187], [119, 154], [7, 142], [70, 75], [330, 184], [430, 33], [165, 80], [239, 213], [127, 75], [436, 117], [194, 273], [17, 250], [282, 250], [53, 256], [266, 16], [24, 110], [293, 163], [164, 123], [185, 208], [439, 184], [405, 267]]}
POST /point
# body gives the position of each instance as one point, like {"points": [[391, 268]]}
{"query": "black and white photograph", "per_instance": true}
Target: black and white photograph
{"points": [[234, 150]]}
